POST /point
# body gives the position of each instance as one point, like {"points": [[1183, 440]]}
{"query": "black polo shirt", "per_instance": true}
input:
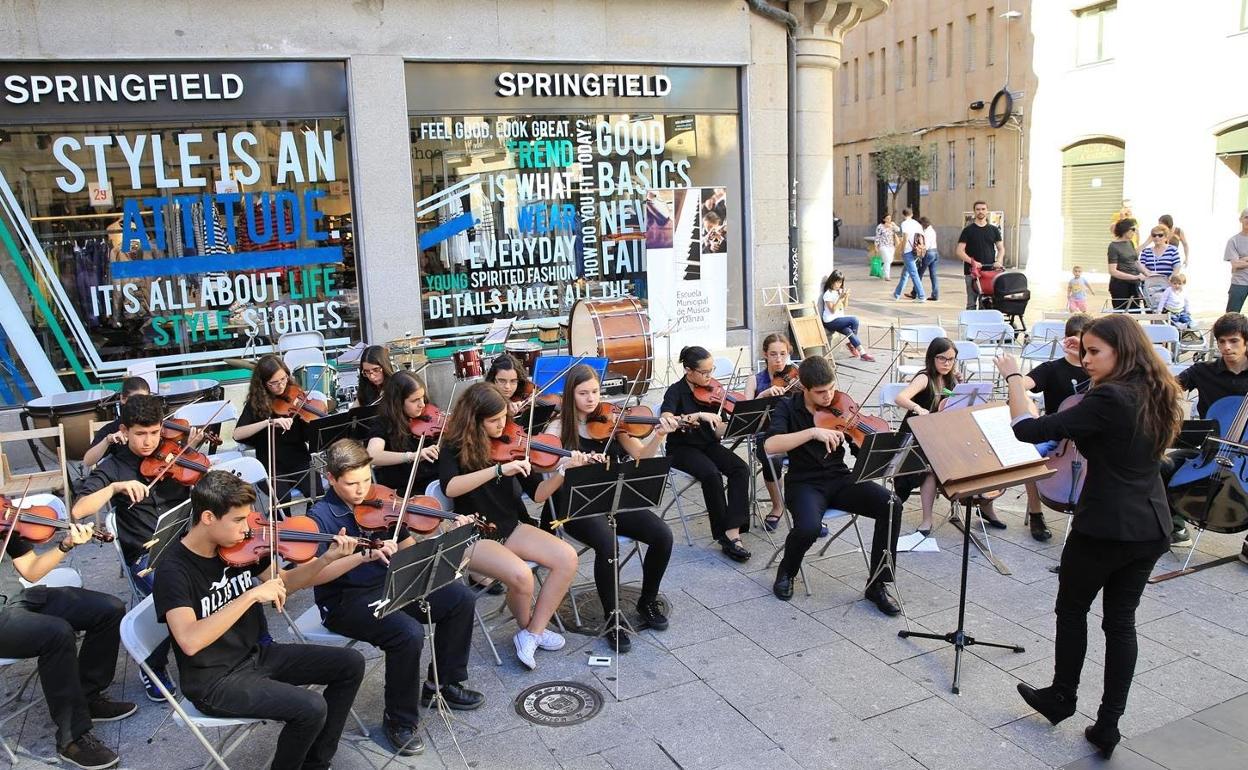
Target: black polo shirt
{"points": [[1212, 381], [135, 521], [1057, 380], [811, 462], [679, 400]]}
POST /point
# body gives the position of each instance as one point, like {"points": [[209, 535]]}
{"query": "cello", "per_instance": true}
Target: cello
{"points": [[1061, 491], [1211, 489]]}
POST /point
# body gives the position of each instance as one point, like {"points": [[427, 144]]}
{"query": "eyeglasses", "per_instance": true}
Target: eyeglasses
{"points": [[1159, 235], [704, 372], [947, 359]]}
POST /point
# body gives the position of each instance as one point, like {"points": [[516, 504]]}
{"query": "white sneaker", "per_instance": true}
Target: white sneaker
{"points": [[549, 640], [526, 647]]}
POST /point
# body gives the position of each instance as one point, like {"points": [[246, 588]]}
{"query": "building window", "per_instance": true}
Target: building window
{"points": [[990, 22], [845, 175], [949, 50], [953, 166], [844, 85], [1094, 33], [899, 82], [934, 154], [931, 54], [883, 71], [970, 43], [858, 175], [992, 160], [914, 61], [970, 164], [870, 74], [856, 79]]}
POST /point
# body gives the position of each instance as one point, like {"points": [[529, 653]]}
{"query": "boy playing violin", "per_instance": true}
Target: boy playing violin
{"points": [[346, 590], [118, 481], [818, 479], [215, 617], [110, 437]]}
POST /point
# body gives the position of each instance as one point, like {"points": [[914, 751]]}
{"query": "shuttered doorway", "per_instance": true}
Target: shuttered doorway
{"points": [[1092, 175]]}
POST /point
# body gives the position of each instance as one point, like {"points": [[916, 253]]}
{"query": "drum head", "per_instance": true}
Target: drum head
{"points": [[582, 333]]}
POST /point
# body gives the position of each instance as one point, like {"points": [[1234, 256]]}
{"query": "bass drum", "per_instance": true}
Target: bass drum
{"points": [[74, 412], [617, 329]]}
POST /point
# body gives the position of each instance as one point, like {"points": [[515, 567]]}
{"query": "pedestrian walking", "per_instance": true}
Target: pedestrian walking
{"points": [[927, 262], [910, 230], [886, 242], [1077, 291]]}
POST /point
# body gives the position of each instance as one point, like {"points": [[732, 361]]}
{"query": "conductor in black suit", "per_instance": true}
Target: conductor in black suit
{"points": [[1121, 525]]}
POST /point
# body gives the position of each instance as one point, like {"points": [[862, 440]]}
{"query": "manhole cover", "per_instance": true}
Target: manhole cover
{"points": [[559, 704]]}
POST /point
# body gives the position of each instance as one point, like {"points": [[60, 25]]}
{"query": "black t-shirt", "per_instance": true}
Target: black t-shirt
{"points": [[616, 452], [497, 500], [186, 579], [1212, 380], [1057, 380], [395, 476], [924, 399], [1123, 254], [104, 432], [135, 521], [331, 514], [679, 400], [10, 587], [809, 463], [981, 244], [290, 446]]}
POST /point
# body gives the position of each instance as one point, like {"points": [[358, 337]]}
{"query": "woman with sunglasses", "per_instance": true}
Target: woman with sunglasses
{"points": [[1126, 274], [1159, 255]]}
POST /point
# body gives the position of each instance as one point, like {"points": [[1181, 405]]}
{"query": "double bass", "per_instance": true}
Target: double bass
{"points": [[1211, 489]]}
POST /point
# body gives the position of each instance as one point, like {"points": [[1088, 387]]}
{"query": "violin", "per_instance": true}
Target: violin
{"points": [[786, 378], [515, 444], [525, 392], [39, 523], [177, 429], [422, 514], [716, 396], [1061, 490], [296, 402], [845, 415], [298, 541], [637, 421], [428, 423], [175, 461]]}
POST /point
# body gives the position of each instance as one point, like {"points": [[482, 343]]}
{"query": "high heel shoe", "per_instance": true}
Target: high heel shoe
{"points": [[1052, 704], [1103, 738]]}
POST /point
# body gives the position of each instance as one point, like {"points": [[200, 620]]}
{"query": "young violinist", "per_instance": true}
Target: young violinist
{"points": [[583, 391], [480, 485], [347, 589], [216, 620], [1225, 376], [1123, 426], [291, 454], [509, 376], [110, 436], [1057, 380], [818, 479], [118, 480], [697, 451], [923, 396], [391, 443], [43, 622], [777, 369], [375, 369]]}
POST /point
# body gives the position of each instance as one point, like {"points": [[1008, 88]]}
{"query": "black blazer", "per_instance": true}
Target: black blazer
{"points": [[1123, 496]]}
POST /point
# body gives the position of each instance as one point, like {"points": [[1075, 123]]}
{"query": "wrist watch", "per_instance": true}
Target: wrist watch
{"points": [[61, 547]]}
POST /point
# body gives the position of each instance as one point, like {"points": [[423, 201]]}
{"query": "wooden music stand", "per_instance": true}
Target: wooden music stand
{"points": [[967, 466]]}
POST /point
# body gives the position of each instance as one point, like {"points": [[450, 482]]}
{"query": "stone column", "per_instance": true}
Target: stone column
{"points": [[821, 29]]}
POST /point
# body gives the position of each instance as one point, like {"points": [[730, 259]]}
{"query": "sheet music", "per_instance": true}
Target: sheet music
{"points": [[917, 542], [995, 425]]}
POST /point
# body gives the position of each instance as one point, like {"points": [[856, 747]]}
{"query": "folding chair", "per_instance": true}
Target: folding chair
{"points": [[140, 634], [678, 483], [55, 480], [15, 697], [136, 593], [625, 545], [309, 629], [888, 402], [1048, 330], [968, 317], [970, 362], [914, 341], [1163, 336]]}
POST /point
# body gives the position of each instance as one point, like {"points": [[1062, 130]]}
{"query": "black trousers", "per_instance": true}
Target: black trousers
{"points": [[43, 623], [1121, 570], [728, 508], [769, 473], [808, 501], [642, 526], [1125, 294], [402, 637], [272, 685]]}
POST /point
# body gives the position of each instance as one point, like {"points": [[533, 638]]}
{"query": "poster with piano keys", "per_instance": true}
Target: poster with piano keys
{"points": [[686, 251]]}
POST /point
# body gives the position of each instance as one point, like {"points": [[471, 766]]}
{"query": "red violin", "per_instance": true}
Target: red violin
{"points": [[786, 378], [298, 540], [381, 511], [515, 444], [173, 461], [637, 421], [716, 396], [38, 523], [177, 429], [295, 401], [429, 423], [844, 414]]}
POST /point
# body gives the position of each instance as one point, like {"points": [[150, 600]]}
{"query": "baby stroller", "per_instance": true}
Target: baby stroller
{"points": [[1006, 292]]}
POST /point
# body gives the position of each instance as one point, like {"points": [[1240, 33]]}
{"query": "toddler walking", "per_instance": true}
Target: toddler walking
{"points": [[1077, 291]]}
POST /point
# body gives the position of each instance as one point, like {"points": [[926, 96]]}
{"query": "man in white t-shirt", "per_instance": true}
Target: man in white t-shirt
{"points": [[1237, 255], [909, 229]]}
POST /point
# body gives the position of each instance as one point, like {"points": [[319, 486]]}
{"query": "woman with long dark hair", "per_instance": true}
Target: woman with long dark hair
{"points": [[291, 454], [391, 444], [582, 393], [375, 369], [509, 376], [1123, 426]]}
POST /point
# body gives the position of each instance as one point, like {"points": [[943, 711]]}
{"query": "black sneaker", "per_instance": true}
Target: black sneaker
{"points": [[404, 738], [105, 709], [625, 645], [153, 692], [88, 753], [1180, 539], [456, 696], [651, 612]]}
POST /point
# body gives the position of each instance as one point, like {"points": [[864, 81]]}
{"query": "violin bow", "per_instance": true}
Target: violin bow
{"points": [[272, 523], [186, 447], [407, 490], [632, 392], [528, 444], [17, 512], [446, 414], [724, 400]]}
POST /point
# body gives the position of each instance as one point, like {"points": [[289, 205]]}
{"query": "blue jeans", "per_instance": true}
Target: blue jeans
{"points": [[908, 270], [928, 265], [847, 325], [159, 659]]}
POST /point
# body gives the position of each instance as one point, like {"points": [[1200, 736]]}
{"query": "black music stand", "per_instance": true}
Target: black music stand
{"points": [[415, 573], [1192, 434], [170, 527], [353, 423], [748, 419], [607, 490]]}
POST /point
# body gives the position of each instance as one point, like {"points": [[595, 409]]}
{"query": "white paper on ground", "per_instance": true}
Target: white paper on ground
{"points": [[916, 542]]}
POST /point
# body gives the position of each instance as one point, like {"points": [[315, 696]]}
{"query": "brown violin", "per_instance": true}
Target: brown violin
{"points": [[515, 444], [845, 415], [637, 421], [39, 523], [716, 396], [1061, 490], [381, 511], [525, 392], [172, 460], [429, 423], [786, 378], [296, 402], [298, 541], [177, 429]]}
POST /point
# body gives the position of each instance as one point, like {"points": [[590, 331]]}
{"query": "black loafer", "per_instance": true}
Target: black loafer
{"points": [[625, 644], [456, 695], [1039, 528], [404, 738], [783, 587], [879, 596], [992, 523], [734, 549]]}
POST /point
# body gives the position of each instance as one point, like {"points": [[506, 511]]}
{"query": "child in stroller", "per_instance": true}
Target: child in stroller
{"points": [[1173, 302]]}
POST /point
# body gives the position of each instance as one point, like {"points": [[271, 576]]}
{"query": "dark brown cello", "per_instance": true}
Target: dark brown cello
{"points": [[1061, 490]]}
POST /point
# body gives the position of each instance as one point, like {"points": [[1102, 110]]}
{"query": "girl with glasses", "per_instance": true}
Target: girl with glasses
{"points": [[375, 369], [291, 454]]}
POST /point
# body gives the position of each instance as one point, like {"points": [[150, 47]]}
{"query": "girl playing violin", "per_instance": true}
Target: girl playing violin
{"points": [[778, 367], [923, 396], [509, 376], [699, 453], [292, 457], [582, 388], [479, 485], [391, 443], [375, 370]]}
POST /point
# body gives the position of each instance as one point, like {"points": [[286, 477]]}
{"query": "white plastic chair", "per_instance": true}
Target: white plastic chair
{"points": [[110, 521], [145, 369], [888, 402], [303, 357], [1167, 355], [970, 362], [17, 712], [995, 333], [1048, 330], [914, 341], [297, 340], [140, 634], [203, 413], [968, 317], [1163, 335], [57, 577]]}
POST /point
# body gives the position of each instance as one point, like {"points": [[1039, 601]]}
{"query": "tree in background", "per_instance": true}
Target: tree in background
{"points": [[897, 160]]}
